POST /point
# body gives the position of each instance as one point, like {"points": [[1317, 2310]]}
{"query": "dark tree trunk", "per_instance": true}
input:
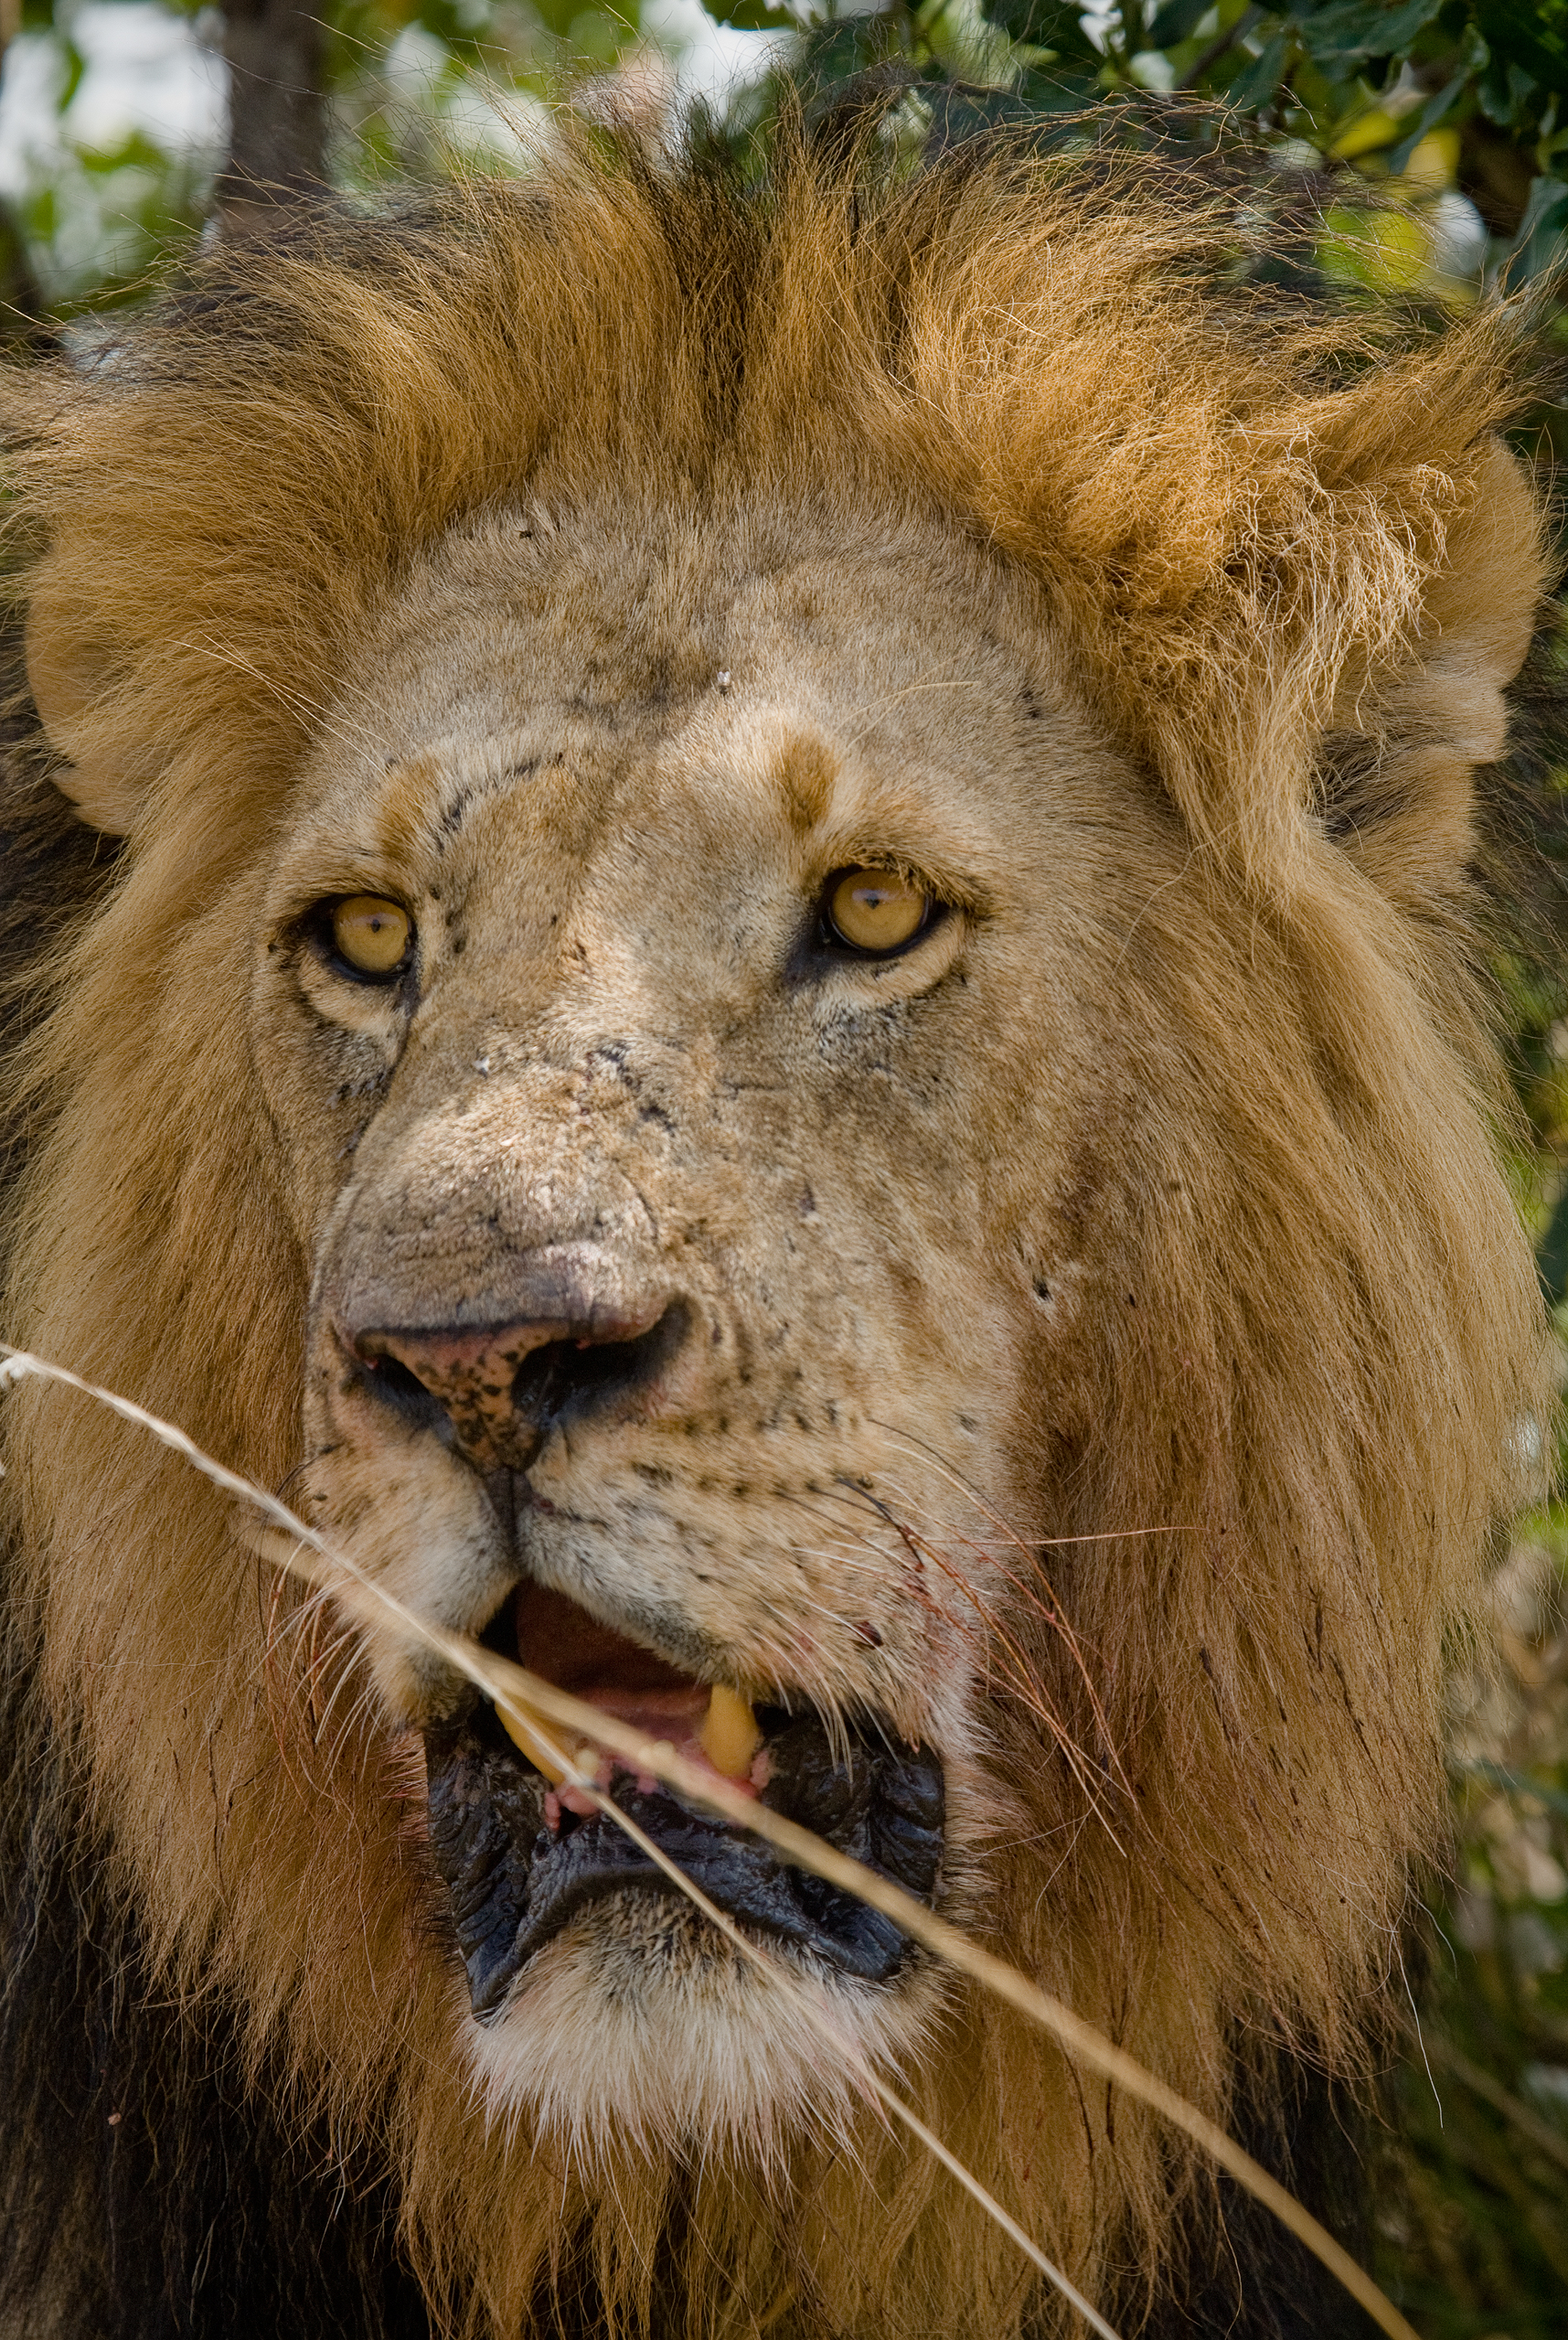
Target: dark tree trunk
{"points": [[277, 113]]}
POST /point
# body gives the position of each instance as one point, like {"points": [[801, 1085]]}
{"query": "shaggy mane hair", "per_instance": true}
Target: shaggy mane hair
{"points": [[1292, 567]]}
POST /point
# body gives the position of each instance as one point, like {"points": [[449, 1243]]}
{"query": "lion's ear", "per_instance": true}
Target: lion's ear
{"points": [[1397, 768], [69, 672]]}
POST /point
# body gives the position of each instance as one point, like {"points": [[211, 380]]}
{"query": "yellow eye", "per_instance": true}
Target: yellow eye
{"points": [[875, 910], [373, 935]]}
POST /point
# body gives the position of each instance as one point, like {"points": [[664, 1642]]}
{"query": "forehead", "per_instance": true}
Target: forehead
{"points": [[736, 673]]}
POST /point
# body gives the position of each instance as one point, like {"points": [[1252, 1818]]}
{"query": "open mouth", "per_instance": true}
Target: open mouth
{"points": [[521, 1858]]}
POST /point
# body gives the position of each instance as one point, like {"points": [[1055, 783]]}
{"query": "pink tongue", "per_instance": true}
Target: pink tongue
{"points": [[568, 1647], [674, 1716]]}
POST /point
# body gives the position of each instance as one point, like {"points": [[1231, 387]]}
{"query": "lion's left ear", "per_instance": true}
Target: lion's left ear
{"points": [[70, 673], [1397, 763]]}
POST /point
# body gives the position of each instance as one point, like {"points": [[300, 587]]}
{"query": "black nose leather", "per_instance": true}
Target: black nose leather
{"points": [[493, 1392]]}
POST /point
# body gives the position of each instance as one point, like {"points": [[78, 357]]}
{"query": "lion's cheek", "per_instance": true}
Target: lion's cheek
{"points": [[323, 1088]]}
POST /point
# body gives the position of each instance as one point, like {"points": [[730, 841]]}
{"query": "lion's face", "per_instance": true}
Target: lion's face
{"points": [[684, 1268], [786, 1022]]}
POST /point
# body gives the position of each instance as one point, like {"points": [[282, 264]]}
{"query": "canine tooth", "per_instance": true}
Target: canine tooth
{"points": [[523, 1735], [728, 1737]]}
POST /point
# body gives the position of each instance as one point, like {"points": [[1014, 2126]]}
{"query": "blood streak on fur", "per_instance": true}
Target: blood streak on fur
{"points": [[1061, 581]]}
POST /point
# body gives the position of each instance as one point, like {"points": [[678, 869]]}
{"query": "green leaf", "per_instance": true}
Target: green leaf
{"points": [[1472, 60], [75, 67], [1353, 31], [1257, 79], [1504, 90], [1051, 91], [1537, 246], [958, 115], [1534, 37], [1428, 118], [1177, 20], [1046, 23], [40, 215], [836, 52]]}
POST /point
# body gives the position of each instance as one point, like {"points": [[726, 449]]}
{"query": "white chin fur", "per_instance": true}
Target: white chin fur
{"points": [[635, 2027]]}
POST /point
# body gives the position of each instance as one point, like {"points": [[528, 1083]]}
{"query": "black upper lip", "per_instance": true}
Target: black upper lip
{"points": [[513, 1883]]}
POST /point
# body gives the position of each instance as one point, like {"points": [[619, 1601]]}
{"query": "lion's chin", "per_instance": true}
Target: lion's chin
{"points": [[636, 2027], [603, 2006]]}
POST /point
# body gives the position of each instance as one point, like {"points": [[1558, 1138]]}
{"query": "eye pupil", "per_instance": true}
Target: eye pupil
{"points": [[875, 910], [373, 935]]}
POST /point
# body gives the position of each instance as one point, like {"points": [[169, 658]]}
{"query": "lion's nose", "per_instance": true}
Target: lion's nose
{"points": [[493, 1392]]}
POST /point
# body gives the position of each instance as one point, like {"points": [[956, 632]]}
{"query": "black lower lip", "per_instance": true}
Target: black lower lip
{"points": [[512, 1884]]}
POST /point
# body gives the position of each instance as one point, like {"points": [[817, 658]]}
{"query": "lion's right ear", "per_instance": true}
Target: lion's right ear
{"points": [[70, 673], [1397, 767]]}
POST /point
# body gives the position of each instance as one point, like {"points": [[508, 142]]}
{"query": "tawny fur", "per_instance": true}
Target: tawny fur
{"points": [[1260, 1325]]}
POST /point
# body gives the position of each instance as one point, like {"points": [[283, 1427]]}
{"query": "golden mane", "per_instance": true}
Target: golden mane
{"points": [[1288, 568]]}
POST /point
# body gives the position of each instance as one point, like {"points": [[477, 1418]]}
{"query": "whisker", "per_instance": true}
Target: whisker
{"points": [[921, 1448], [1020, 1544], [1023, 1680], [1051, 1614]]}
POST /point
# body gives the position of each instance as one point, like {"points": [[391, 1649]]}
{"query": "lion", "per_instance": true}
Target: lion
{"points": [[741, 921]]}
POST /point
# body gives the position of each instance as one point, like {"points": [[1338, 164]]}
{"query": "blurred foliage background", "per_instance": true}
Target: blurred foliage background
{"points": [[131, 128]]}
